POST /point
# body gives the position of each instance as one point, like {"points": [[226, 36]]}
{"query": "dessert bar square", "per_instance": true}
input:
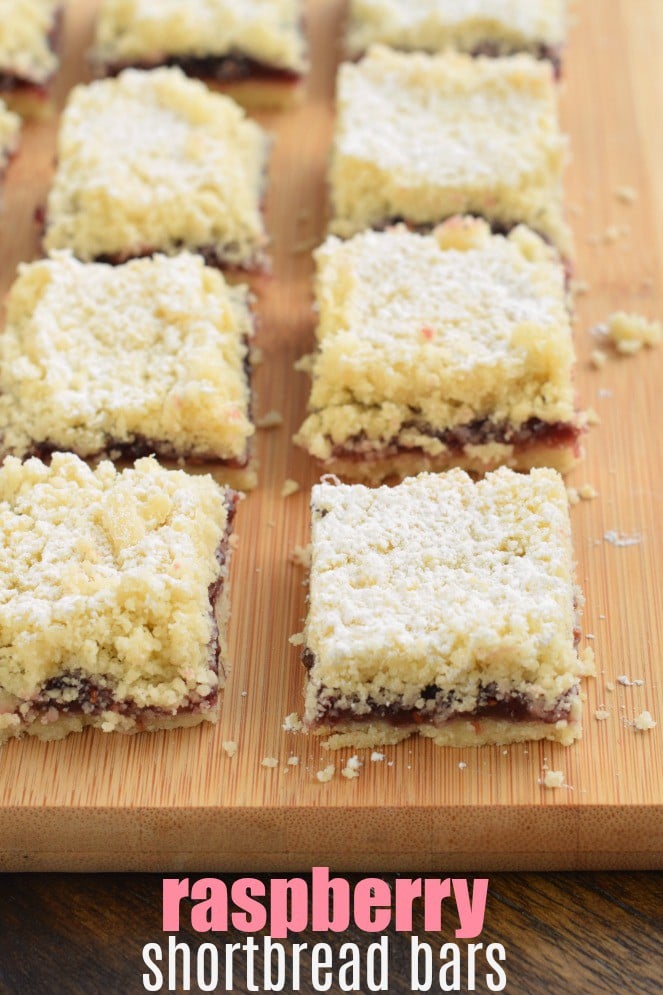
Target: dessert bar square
{"points": [[422, 137], [222, 39], [114, 596], [29, 31], [485, 27], [444, 607], [147, 357], [155, 162], [448, 349], [10, 132]]}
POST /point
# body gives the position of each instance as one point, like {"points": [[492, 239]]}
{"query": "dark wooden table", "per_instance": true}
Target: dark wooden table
{"points": [[581, 934]]}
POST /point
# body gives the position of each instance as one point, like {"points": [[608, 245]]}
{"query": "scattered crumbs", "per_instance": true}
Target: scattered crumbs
{"points": [[293, 761], [579, 287], [629, 332], [350, 773], [572, 494], [230, 747], [505, 753], [620, 539], [377, 757], [301, 556], [625, 682], [606, 392], [553, 779], [296, 639], [545, 764], [326, 774], [603, 617], [272, 419], [598, 358], [258, 570], [269, 762], [590, 635], [610, 686], [390, 763], [244, 694], [354, 762], [644, 722], [626, 194], [587, 492], [592, 417], [289, 488], [462, 765], [256, 356], [601, 713], [292, 723]]}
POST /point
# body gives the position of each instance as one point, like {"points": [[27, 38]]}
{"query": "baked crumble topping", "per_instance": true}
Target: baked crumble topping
{"points": [[107, 585], [434, 25], [439, 342], [423, 137], [153, 161], [443, 604], [26, 50], [97, 358], [266, 32]]}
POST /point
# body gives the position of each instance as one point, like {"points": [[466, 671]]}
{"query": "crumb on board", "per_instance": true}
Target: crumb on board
{"points": [[296, 639], [572, 494], [256, 356], [292, 723], [293, 761], [601, 713], [579, 287], [587, 492], [350, 772], [610, 686], [354, 762], [644, 722], [598, 358], [587, 662], [553, 779], [462, 765], [301, 556], [269, 762], [271, 419], [626, 683], [326, 774], [289, 488], [377, 757], [616, 538], [630, 332], [626, 194], [230, 747], [592, 417]]}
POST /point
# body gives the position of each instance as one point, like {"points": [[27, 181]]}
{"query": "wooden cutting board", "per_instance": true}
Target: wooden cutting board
{"points": [[176, 801]]}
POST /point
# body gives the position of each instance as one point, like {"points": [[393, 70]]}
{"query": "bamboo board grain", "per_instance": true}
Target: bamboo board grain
{"points": [[175, 801]]}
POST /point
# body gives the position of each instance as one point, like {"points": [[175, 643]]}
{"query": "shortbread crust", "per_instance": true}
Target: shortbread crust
{"points": [[114, 592], [420, 138], [28, 50], [492, 27], [155, 162], [148, 357], [218, 38], [446, 607], [448, 349]]}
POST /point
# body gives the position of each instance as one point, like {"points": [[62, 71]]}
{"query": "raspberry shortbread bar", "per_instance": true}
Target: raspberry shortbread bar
{"points": [[155, 162], [29, 31], [112, 611], [147, 357], [483, 27], [422, 137], [448, 349], [219, 39], [443, 607]]}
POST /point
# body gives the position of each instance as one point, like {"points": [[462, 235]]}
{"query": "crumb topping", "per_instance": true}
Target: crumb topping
{"points": [[107, 574], [424, 137], [441, 582], [434, 25], [154, 349], [267, 31], [25, 26], [442, 329], [155, 161]]}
